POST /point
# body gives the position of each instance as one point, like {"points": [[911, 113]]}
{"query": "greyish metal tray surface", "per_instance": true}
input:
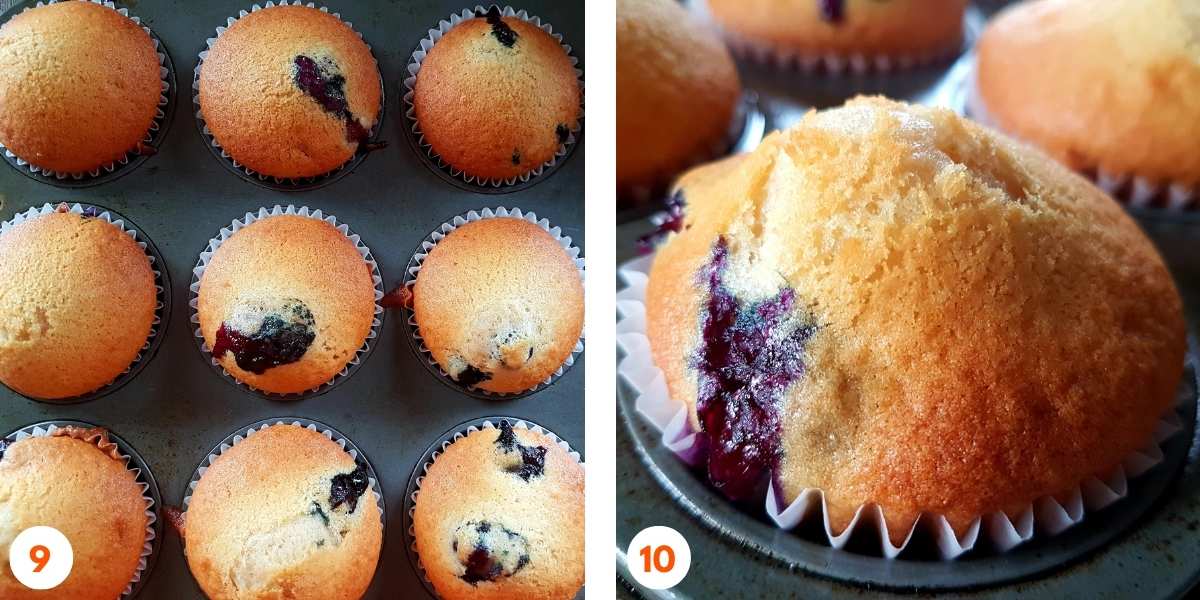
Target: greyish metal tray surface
{"points": [[177, 407], [1140, 547]]}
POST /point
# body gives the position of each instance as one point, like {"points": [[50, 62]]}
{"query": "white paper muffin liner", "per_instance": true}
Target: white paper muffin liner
{"points": [[833, 64], [241, 434], [409, 85], [445, 443], [106, 445], [1045, 515], [155, 125], [212, 140], [445, 229], [1128, 188], [160, 291], [246, 220]]}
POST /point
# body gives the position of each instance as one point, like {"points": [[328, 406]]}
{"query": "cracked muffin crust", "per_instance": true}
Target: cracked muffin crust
{"points": [[499, 304], [76, 482], [496, 96], [285, 303], [290, 91], [895, 305], [1113, 85], [79, 86], [499, 515], [285, 513], [677, 89], [77, 305]]}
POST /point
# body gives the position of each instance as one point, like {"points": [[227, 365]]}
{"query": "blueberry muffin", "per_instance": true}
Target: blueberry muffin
{"points": [[285, 303], [78, 304], [499, 303], [290, 91], [75, 481], [677, 88], [285, 513], [79, 86], [500, 515], [1113, 86], [496, 97], [870, 28], [895, 305]]}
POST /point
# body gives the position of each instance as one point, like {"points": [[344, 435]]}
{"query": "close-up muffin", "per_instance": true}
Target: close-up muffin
{"points": [[75, 481], [896, 306], [497, 96], [917, 29], [499, 514], [1101, 86], [499, 304], [677, 91], [284, 513], [290, 91], [77, 304], [79, 86], [285, 303]]}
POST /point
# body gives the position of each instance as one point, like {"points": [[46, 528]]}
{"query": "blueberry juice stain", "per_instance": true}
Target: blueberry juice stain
{"points": [[533, 458], [670, 220], [833, 11], [281, 335], [322, 82], [749, 354]]}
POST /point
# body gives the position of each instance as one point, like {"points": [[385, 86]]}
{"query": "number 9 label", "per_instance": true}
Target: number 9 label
{"points": [[659, 557], [41, 558]]}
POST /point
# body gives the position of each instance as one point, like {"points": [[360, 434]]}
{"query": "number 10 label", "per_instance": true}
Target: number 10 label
{"points": [[41, 558], [659, 558]]}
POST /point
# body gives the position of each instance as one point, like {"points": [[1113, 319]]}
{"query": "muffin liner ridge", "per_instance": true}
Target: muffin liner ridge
{"points": [[282, 183], [408, 88], [156, 124], [237, 225], [418, 475], [1049, 515], [162, 294], [431, 240], [103, 439]]}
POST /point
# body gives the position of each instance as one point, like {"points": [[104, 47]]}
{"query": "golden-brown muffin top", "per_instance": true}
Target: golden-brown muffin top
{"points": [[285, 513], [290, 91], [499, 303], [1109, 85], [496, 97], [77, 307], [79, 86], [75, 481], [677, 88], [937, 319], [499, 515]]}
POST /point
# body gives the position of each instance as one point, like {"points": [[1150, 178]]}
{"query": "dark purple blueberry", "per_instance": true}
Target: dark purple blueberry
{"points": [[323, 82], [503, 33], [533, 458], [749, 354], [563, 132], [90, 212], [507, 440], [833, 11], [346, 488], [261, 338], [489, 552], [4, 444], [665, 222], [516, 157], [471, 376]]}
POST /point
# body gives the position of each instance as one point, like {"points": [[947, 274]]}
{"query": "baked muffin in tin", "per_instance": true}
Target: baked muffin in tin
{"points": [[499, 514]]}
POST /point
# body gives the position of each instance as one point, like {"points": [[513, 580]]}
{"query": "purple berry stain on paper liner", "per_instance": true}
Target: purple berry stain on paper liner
{"points": [[670, 220], [322, 81], [262, 335], [347, 488], [500, 30], [749, 354], [833, 11]]}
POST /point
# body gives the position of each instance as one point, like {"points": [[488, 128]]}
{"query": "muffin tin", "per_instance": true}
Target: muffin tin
{"points": [[736, 553], [177, 408]]}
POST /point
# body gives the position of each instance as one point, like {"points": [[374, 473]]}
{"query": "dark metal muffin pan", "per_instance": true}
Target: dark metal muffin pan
{"points": [[1143, 545], [177, 407]]}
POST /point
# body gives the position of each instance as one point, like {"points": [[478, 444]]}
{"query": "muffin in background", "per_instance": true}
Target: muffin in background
{"points": [[911, 311], [285, 303], [68, 482], [284, 513], [1101, 86], [78, 304], [496, 97], [499, 514], [891, 29], [677, 91], [290, 91], [79, 86], [499, 304]]}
